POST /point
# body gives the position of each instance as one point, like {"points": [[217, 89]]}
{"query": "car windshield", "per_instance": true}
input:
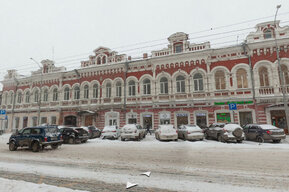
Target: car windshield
{"points": [[267, 127], [51, 130], [21, 130]]}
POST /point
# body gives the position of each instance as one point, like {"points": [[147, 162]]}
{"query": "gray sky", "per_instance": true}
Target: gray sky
{"points": [[31, 28]]}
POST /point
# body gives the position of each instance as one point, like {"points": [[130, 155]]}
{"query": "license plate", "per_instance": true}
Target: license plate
{"points": [[53, 138]]}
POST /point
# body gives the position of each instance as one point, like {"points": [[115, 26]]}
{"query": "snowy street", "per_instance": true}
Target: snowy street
{"points": [[106, 165]]}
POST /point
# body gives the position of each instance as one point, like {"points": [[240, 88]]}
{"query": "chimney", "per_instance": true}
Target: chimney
{"points": [[145, 55]]}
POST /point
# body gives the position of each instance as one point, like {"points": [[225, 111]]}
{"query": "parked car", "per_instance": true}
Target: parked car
{"points": [[73, 135], [132, 131], [225, 132], [166, 132], [190, 132], [110, 132], [261, 133], [93, 132], [35, 138]]}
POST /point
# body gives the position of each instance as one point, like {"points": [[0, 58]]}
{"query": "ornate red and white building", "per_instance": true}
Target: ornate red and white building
{"points": [[185, 83]]}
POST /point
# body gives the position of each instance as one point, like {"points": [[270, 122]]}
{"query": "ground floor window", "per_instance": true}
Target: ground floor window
{"points": [[223, 117], [201, 119], [17, 122], [182, 119], [132, 118], [25, 122], [43, 120], [165, 118], [245, 118], [34, 121], [278, 118], [88, 120], [111, 118], [70, 120], [53, 120]]}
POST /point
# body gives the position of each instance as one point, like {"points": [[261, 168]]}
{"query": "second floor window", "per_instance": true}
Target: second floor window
{"points": [[95, 91], [220, 80], [164, 85], [180, 84], [242, 81], [108, 90], [76, 93], [86, 92], [55, 95], [263, 77], [284, 70], [198, 82], [146, 87], [19, 98], [66, 94], [131, 88], [45, 95], [118, 89], [36, 96], [27, 97]]}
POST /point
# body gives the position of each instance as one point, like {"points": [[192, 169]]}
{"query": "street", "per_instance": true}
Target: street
{"points": [[106, 165]]}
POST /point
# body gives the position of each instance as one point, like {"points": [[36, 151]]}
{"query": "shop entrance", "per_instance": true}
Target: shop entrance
{"points": [[278, 119], [245, 118], [70, 120], [25, 122], [147, 121], [201, 119], [88, 120], [182, 119]]}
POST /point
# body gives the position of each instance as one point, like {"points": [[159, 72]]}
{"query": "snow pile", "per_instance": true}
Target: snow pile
{"points": [[193, 128], [13, 185], [231, 127]]}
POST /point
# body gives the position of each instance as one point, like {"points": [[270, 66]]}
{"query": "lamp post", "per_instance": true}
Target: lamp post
{"points": [[40, 94], [284, 88]]}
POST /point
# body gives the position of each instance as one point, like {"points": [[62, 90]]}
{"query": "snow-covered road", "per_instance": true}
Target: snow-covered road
{"points": [[177, 166]]}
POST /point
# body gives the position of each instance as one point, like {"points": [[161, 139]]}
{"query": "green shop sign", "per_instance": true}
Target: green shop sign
{"points": [[237, 102]]}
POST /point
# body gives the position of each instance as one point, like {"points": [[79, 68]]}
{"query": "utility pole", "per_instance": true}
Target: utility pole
{"points": [[13, 104], [284, 88], [40, 94]]}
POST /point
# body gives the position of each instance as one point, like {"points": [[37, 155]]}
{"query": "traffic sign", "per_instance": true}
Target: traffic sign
{"points": [[233, 106]]}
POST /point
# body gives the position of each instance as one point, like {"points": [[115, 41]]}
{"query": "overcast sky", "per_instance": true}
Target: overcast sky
{"points": [[74, 28]]}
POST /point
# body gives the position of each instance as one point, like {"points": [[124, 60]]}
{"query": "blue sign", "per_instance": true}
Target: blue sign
{"points": [[233, 106], [2, 112]]}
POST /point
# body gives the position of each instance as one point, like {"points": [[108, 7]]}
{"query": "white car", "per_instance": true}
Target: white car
{"points": [[132, 131], [166, 132], [110, 132], [190, 132]]}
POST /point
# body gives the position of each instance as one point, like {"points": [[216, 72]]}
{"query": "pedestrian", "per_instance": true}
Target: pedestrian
{"points": [[148, 129]]}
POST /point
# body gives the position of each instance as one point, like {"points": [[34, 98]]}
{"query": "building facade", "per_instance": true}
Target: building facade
{"points": [[185, 83]]}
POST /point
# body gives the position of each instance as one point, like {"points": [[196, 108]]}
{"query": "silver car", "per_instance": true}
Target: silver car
{"points": [[190, 132], [132, 131], [110, 132], [166, 132]]}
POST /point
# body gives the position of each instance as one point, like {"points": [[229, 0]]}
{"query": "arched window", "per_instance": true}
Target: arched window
{"points": [[220, 80], [86, 92], [55, 94], [263, 77], [181, 85], [95, 91], [284, 70], [118, 89], [131, 88], [268, 33], [98, 60], [76, 92], [108, 90], [66, 94], [198, 82], [242, 81], [11, 98], [146, 87], [164, 85], [27, 97], [45, 95], [103, 60], [36, 96], [19, 97]]}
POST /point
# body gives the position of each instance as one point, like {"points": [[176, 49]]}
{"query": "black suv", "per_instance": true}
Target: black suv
{"points": [[73, 135], [35, 138]]}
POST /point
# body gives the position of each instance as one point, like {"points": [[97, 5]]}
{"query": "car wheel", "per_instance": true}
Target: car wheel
{"points": [[71, 141], [84, 141], [206, 135], [239, 141], [35, 146], [12, 146], [260, 140], [220, 139], [276, 141], [54, 146], [122, 139]]}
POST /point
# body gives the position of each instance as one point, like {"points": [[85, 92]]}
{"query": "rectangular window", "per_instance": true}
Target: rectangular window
{"points": [[178, 48], [34, 121], [223, 118], [43, 120], [53, 120], [17, 122], [118, 91]]}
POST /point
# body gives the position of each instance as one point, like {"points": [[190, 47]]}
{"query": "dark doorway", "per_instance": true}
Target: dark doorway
{"points": [[201, 119], [182, 119], [147, 121], [278, 119], [88, 120], [25, 122], [245, 118], [70, 120]]}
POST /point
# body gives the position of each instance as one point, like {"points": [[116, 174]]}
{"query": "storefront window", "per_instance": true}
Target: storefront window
{"points": [[245, 118], [182, 119], [201, 119], [165, 118], [223, 118]]}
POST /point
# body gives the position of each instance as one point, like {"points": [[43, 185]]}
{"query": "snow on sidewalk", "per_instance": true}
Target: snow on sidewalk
{"points": [[23, 186]]}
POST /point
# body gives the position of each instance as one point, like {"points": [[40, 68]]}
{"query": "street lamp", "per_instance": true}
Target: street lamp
{"points": [[40, 94], [284, 89]]}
